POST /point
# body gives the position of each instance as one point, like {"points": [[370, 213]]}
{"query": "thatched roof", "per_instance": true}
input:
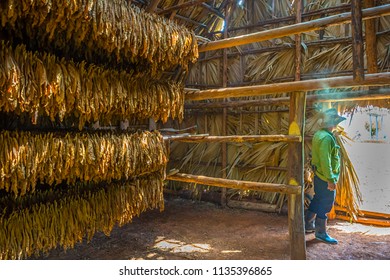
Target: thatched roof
{"points": [[325, 53]]}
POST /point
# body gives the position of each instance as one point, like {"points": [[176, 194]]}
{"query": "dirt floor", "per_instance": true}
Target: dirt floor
{"points": [[204, 231]]}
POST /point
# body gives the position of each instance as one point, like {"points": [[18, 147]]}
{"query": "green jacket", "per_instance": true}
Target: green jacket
{"points": [[326, 156]]}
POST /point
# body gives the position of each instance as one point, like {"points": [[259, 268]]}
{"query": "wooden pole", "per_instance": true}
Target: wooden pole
{"points": [[252, 24], [238, 138], [295, 156], [257, 206], [152, 6], [191, 3], [315, 84], [371, 47], [173, 13], [235, 184], [224, 115], [357, 41], [361, 95], [239, 166], [292, 29]]}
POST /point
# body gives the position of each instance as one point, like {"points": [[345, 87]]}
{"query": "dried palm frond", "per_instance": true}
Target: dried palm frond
{"points": [[271, 65], [348, 192], [336, 58], [211, 72]]}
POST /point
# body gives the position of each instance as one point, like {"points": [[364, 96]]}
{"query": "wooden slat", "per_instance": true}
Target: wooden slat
{"points": [[238, 138], [295, 162], [361, 95], [330, 10], [239, 166], [152, 6], [292, 29], [357, 41], [235, 184], [191, 3], [315, 84], [366, 221]]}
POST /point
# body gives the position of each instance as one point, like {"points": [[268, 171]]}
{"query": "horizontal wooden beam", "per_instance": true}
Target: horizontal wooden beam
{"points": [[330, 10], [361, 95], [365, 221], [316, 84], [200, 112], [322, 42], [235, 184], [213, 10], [248, 205], [204, 26], [238, 138], [191, 3], [238, 103], [239, 166], [292, 29]]}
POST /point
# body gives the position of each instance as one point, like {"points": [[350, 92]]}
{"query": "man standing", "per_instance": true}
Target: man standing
{"points": [[326, 167]]}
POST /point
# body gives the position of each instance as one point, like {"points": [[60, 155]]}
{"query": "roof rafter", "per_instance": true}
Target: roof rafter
{"points": [[181, 6]]}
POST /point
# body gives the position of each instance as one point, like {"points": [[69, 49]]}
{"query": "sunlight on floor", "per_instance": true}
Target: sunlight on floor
{"points": [[367, 230], [176, 246], [230, 251]]}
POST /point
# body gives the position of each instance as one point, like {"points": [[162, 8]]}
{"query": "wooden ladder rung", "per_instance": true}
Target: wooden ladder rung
{"points": [[235, 184]]}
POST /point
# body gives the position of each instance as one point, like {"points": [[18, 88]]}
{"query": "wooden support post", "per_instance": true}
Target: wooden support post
{"points": [[295, 176], [357, 41], [292, 29], [370, 36], [224, 115], [224, 156], [308, 85], [235, 184], [296, 158], [239, 138]]}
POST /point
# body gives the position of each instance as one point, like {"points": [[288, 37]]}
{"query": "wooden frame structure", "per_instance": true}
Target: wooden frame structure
{"points": [[297, 103]]}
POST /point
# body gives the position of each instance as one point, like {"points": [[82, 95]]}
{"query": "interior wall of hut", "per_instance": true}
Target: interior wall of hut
{"points": [[325, 53]]}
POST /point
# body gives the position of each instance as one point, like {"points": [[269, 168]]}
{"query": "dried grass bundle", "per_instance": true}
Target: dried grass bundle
{"points": [[29, 158], [109, 32], [48, 219], [44, 85], [348, 192]]}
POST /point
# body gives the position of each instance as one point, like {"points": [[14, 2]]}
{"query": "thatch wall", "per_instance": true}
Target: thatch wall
{"points": [[325, 53]]}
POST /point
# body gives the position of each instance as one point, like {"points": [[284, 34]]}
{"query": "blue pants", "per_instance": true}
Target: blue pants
{"points": [[323, 198]]}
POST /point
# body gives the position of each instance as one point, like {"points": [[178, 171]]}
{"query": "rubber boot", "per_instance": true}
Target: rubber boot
{"points": [[321, 232], [309, 221]]}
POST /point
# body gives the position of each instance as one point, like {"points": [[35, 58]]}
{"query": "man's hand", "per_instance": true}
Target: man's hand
{"points": [[332, 186]]}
